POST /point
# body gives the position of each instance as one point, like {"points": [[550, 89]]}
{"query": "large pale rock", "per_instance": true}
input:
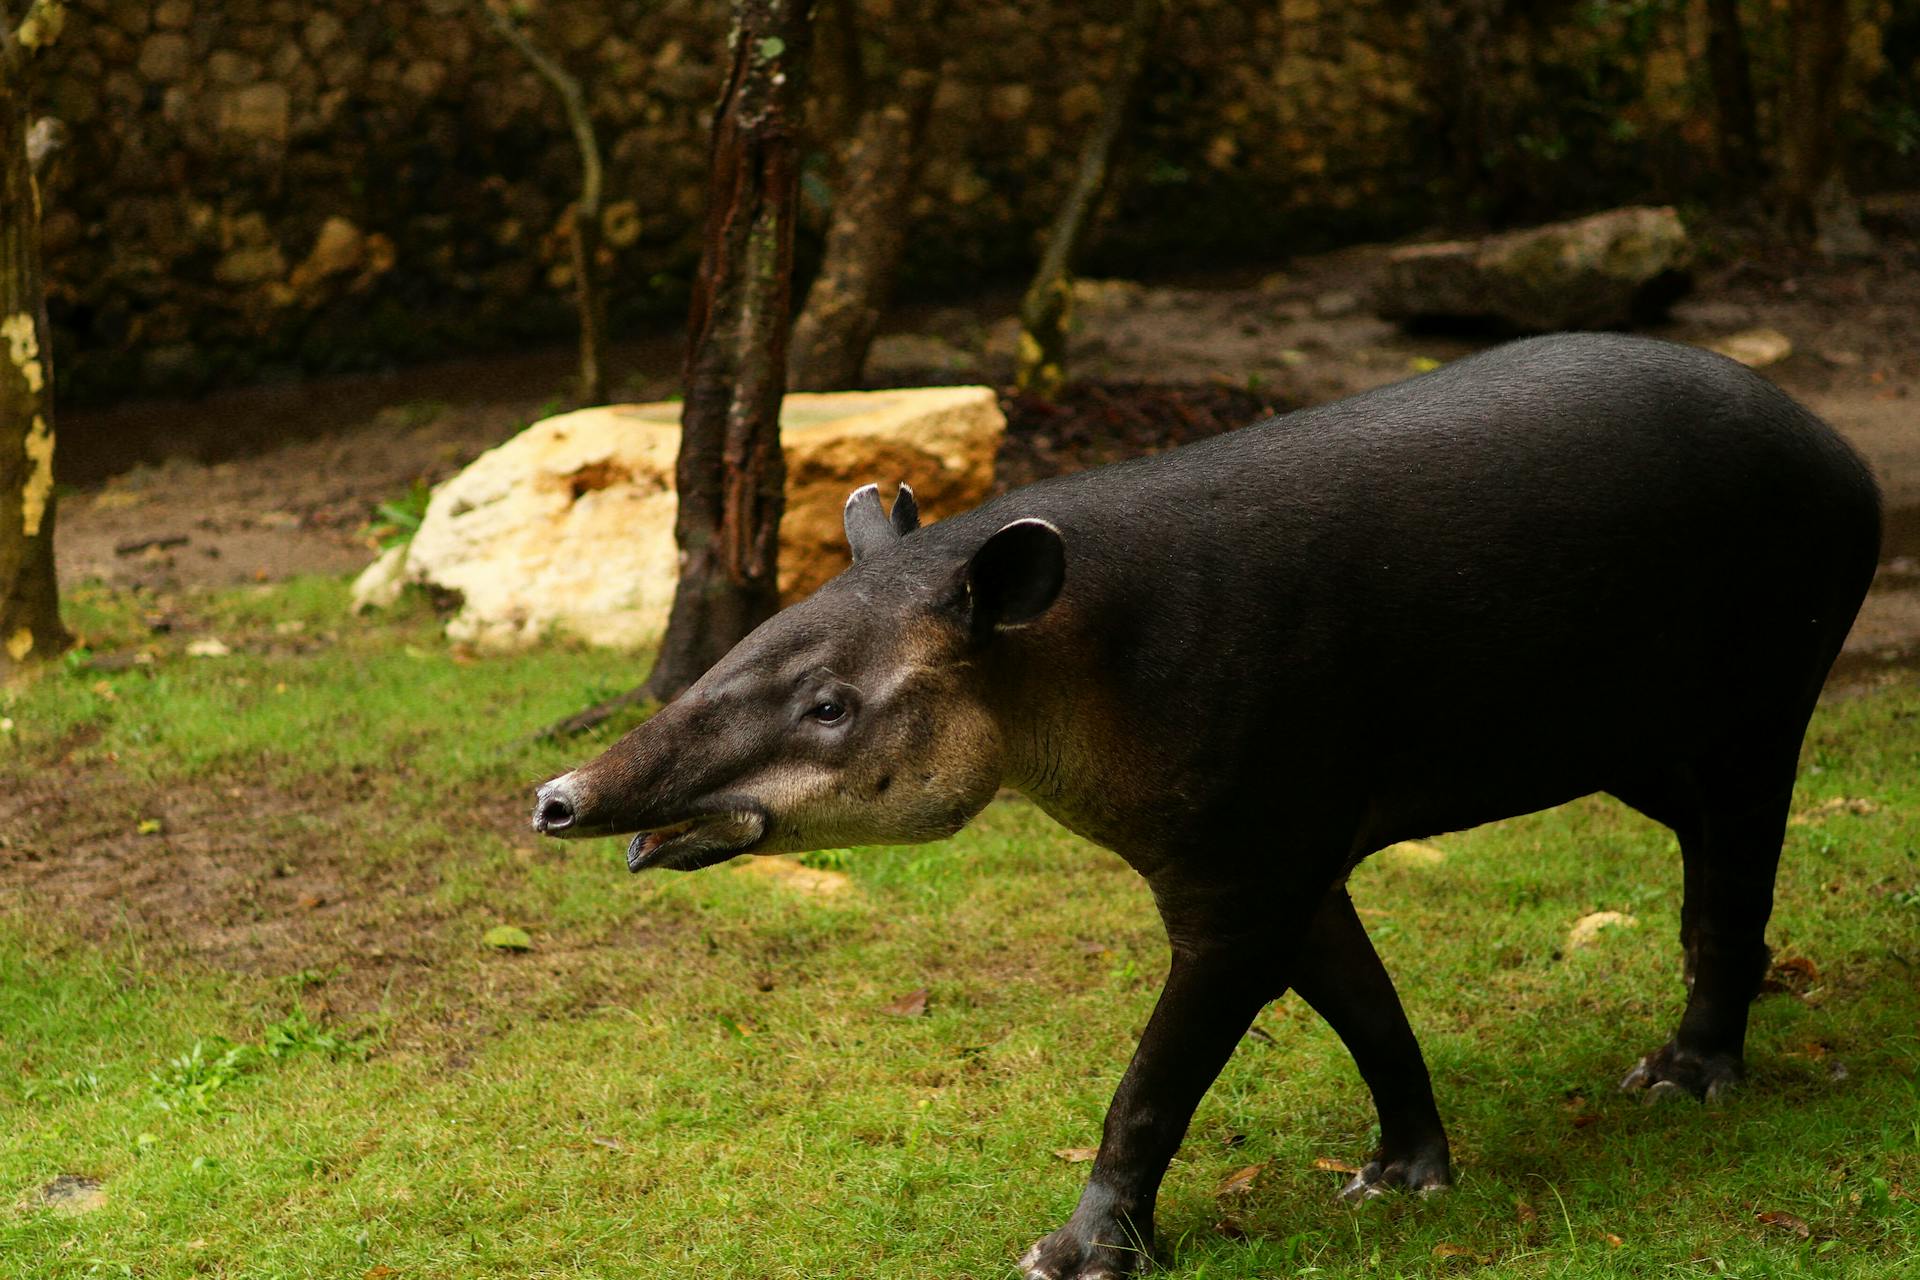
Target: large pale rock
{"points": [[1599, 272], [568, 527]]}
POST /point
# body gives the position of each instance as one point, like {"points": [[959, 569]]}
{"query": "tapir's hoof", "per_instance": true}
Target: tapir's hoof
{"points": [[1068, 1254], [1424, 1174], [1670, 1072]]}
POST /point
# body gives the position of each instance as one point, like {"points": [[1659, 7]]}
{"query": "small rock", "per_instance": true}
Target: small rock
{"points": [[166, 56], [1340, 302], [69, 1194], [251, 265], [380, 583], [1589, 927], [339, 248], [208, 647], [1754, 348], [1597, 272], [261, 111]]}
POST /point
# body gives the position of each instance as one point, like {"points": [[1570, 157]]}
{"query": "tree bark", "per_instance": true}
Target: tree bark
{"points": [[878, 165], [731, 476], [589, 297], [1809, 144], [1459, 52], [1046, 311], [1739, 134], [30, 626]]}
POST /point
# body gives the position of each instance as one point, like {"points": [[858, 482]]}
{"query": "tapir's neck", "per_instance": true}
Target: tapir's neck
{"points": [[1064, 741]]}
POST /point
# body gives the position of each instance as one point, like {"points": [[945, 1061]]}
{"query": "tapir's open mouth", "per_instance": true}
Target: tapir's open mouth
{"points": [[697, 842]]}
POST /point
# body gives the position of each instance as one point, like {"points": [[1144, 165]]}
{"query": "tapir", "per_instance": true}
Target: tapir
{"points": [[1573, 564]]}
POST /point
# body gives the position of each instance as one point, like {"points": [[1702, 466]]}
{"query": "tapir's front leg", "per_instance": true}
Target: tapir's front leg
{"points": [[1220, 978]]}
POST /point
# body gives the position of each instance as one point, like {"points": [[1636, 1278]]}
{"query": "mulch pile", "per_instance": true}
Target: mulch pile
{"points": [[1091, 423]]}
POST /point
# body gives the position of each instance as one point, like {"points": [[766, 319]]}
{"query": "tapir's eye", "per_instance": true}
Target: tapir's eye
{"points": [[827, 711]]}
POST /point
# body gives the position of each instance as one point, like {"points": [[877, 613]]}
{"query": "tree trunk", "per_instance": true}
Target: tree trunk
{"points": [[1739, 134], [1809, 121], [879, 163], [1459, 52], [584, 221], [731, 475], [30, 626], [1046, 311]]}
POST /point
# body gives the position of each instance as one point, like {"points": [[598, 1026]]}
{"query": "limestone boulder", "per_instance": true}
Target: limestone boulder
{"points": [[567, 529], [1600, 272]]}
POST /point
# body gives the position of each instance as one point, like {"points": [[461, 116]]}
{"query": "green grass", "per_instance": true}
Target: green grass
{"points": [[271, 1029]]}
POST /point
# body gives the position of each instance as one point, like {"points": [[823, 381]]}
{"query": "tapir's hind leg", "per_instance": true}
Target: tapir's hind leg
{"points": [[1730, 814], [1341, 977]]}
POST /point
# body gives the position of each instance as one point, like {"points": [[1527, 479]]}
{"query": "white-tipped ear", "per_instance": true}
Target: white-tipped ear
{"points": [[865, 521], [1016, 575]]}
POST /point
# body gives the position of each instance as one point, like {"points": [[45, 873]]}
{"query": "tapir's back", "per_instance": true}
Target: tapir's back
{"points": [[1563, 545]]}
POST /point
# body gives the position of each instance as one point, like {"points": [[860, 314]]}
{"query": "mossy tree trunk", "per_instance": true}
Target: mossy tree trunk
{"points": [[584, 222], [1810, 189], [30, 626], [731, 476], [876, 171], [1046, 311]]}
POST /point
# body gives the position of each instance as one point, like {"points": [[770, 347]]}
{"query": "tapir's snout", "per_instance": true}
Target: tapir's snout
{"points": [[554, 808]]}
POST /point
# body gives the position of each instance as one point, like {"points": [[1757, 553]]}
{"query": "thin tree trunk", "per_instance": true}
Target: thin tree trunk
{"points": [[30, 626], [1809, 144], [589, 297], [731, 476], [879, 164], [1739, 134], [1046, 312], [1459, 36]]}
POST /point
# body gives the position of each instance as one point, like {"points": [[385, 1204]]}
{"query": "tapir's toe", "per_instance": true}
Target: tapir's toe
{"points": [[1424, 1173], [1068, 1254], [1670, 1071]]}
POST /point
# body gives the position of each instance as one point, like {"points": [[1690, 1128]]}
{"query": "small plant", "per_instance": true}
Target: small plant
{"points": [[188, 1083], [827, 859], [395, 523], [299, 1033]]}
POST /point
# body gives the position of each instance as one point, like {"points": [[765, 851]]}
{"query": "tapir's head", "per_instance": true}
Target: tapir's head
{"points": [[858, 716]]}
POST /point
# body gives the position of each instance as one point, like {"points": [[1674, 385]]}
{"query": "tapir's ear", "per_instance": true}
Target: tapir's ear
{"points": [[906, 511], [1015, 575], [869, 528]]}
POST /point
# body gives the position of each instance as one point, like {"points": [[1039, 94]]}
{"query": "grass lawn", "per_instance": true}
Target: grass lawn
{"points": [[244, 985]]}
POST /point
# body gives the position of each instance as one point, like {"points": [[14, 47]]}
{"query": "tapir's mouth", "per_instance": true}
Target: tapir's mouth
{"points": [[696, 842]]}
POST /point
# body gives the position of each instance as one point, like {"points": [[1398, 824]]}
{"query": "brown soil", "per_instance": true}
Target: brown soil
{"points": [[270, 482]]}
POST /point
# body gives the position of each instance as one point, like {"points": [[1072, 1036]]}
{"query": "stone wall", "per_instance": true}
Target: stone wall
{"points": [[259, 187]]}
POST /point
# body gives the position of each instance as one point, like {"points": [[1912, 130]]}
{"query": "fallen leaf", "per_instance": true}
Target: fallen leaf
{"points": [[1423, 364], [1334, 1166], [1525, 1212], [1077, 1155], [1589, 927], [1240, 1181], [208, 647], [1459, 1251], [1785, 1221], [608, 1143], [1795, 974], [311, 902], [911, 1005], [149, 827], [1614, 1241], [379, 1273], [1584, 1119], [1859, 806], [506, 937]]}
